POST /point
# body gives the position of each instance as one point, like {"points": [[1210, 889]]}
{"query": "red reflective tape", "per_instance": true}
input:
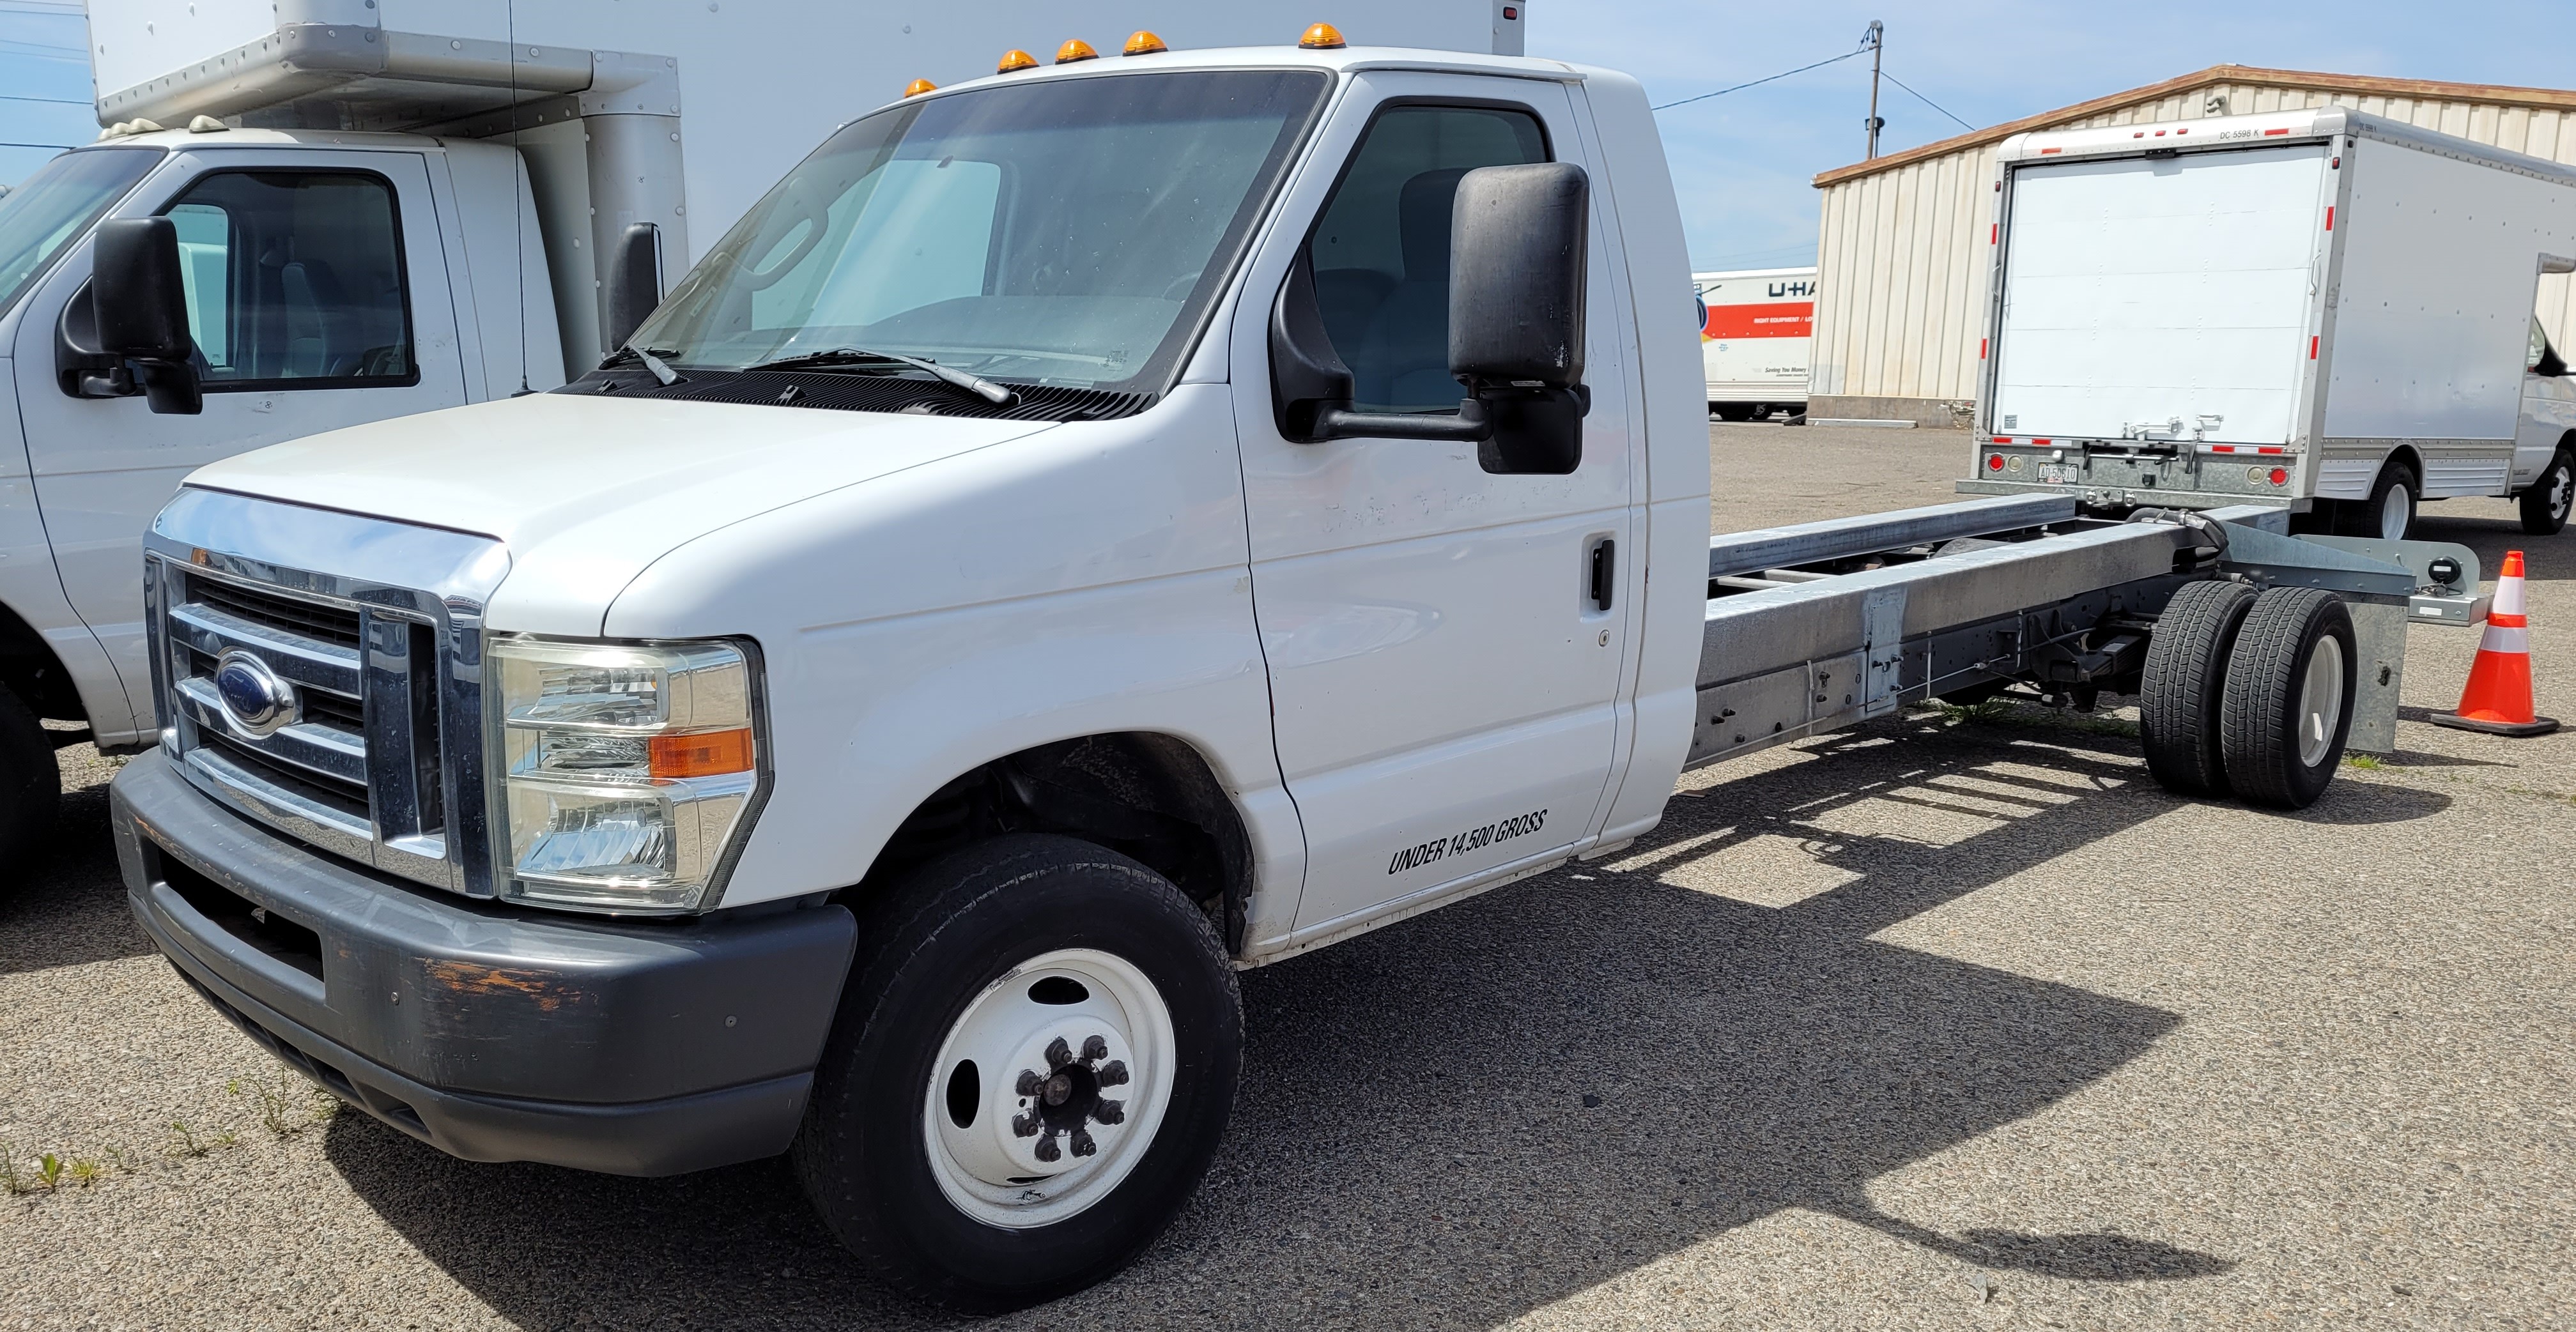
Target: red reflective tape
{"points": [[2271, 448], [1994, 233], [2312, 346], [2329, 217], [1981, 349], [2039, 443], [2222, 448], [2044, 152], [2003, 439], [2269, 133]]}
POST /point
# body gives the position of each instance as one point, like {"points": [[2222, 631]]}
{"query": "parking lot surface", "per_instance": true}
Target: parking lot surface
{"points": [[1949, 1021]]}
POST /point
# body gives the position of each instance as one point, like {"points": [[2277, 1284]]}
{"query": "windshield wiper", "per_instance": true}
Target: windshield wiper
{"points": [[1000, 395], [651, 360]]}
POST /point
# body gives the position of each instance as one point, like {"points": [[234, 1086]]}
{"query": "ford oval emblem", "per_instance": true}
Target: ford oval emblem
{"points": [[255, 700]]}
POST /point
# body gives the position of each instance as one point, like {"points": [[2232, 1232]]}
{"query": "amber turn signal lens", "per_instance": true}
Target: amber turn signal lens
{"points": [[1322, 37], [919, 86], [1074, 50], [1144, 43], [706, 754], [1015, 60]]}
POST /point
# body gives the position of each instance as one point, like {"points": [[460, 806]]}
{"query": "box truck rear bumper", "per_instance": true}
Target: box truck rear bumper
{"points": [[492, 1034], [2126, 497]]}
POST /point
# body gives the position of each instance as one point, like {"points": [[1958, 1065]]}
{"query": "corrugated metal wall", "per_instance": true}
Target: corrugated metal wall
{"points": [[1902, 252]]}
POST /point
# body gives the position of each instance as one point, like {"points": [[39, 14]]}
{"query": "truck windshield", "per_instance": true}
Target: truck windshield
{"points": [[48, 214], [1069, 231]]}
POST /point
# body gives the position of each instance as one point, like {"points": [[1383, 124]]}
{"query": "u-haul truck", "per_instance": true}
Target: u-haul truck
{"points": [[1754, 329]]}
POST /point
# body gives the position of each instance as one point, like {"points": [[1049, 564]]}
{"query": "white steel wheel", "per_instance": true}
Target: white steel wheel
{"points": [[2321, 691], [2396, 512], [1048, 1088]]}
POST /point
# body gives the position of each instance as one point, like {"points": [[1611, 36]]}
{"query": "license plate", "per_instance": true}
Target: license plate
{"points": [[2058, 474]]}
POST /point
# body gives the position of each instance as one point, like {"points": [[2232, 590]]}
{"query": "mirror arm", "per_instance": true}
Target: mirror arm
{"points": [[1471, 425]]}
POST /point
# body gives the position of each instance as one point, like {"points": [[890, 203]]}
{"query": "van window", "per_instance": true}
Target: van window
{"points": [[294, 279], [1381, 249]]}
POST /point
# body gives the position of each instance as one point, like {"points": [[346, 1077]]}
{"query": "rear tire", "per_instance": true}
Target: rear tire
{"points": [[2545, 505], [2389, 513], [2289, 697], [2185, 685], [1732, 411], [31, 790], [912, 1145]]}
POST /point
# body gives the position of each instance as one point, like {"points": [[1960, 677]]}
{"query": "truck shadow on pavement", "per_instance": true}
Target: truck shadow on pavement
{"points": [[1470, 1115]]}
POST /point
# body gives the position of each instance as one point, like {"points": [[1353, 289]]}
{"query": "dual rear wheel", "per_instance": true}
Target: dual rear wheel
{"points": [[2249, 694]]}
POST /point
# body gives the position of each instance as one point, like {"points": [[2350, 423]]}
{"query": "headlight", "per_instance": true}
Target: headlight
{"points": [[629, 771]]}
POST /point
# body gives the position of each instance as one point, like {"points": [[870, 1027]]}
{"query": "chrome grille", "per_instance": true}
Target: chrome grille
{"points": [[367, 636]]}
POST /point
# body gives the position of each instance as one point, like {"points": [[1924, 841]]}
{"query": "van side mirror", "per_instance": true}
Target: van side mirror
{"points": [[140, 309], [1516, 307], [634, 281], [1516, 301]]}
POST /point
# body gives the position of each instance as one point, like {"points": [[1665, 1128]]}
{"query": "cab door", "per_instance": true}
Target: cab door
{"points": [[317, 298], [1445, 665]]}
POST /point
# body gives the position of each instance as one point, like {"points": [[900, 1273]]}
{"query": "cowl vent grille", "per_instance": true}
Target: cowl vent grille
{"points": [[841, 392]]}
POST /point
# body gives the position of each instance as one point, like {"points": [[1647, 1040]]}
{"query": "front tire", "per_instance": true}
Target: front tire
{"points": [[2545, 504], [2289, 697], [1033, 1063], [31, 789]]}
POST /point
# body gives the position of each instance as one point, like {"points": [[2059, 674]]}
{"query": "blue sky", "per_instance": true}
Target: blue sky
{"points": [[44, 84], [1742, 161]]}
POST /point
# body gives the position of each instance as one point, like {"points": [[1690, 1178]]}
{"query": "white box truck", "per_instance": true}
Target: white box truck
{"points": [[2319, 309], [1755, 328], [1085, 531], [391, 206]]}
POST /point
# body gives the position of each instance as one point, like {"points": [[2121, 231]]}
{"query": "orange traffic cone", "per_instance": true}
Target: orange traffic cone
{"points": [[2498, 697]]}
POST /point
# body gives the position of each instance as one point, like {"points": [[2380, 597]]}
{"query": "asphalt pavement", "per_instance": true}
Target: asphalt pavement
{"points": [[1944, 1022]]}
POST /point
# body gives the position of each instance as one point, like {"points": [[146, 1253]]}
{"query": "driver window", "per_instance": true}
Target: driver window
{"points": [[1381, 249], [294, 279], [2541, 358]]}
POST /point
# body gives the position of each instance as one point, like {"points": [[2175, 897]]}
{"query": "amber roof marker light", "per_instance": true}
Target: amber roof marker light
{"points": [[1015, 61], [919, 86], [1143, 43], [1075, 50], [1322, 37]]}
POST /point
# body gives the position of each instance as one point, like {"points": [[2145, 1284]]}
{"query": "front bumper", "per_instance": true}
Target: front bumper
{"points": [[492, 1033]]}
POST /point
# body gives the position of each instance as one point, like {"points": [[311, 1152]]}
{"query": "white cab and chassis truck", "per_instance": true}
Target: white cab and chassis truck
{"points": [[1085, 532], [390, 206], [2320, 309]]}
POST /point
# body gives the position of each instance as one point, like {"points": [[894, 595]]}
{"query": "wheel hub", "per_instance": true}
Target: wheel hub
{"points": [[1048, 1088]]}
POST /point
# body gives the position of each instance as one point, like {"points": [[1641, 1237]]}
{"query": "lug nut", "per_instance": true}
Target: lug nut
{"points": [[1094, 1048], [1082, 1143], [1058, 1054], [1030, 1083], [1024, 1126], [1114, 1073], [1047, 1150], [1109, 1112]]}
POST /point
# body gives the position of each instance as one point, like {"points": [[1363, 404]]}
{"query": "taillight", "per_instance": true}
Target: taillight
{"points": [[1994, 462]]}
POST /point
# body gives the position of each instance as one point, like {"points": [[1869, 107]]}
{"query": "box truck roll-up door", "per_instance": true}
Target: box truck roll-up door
{"points": [[2141, 291]]}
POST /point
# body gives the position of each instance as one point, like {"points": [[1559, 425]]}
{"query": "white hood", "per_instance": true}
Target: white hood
{"points": [[588, 491]]}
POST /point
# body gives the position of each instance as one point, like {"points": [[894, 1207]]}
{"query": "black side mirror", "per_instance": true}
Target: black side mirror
{"points": [[634, 280], [1516, 306], [140, 309]]}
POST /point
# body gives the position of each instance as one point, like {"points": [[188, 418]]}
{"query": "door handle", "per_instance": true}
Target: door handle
{"points": [[1605, 568]]}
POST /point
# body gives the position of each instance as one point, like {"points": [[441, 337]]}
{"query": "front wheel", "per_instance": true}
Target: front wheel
{"points": [[1030, 1072], [2545, 505]]}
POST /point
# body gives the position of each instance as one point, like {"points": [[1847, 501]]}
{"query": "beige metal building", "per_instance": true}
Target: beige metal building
{"points": [[1902, 286]]}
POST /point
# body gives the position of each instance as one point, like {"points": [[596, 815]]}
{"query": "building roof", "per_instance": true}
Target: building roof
{"points": [[2551, 99]]}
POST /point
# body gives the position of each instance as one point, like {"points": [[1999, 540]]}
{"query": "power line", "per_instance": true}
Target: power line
{"points": [[1926, 100], [1758, 82], [57, 101]]}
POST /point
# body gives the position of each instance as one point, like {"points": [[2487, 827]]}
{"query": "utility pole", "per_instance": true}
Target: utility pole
{"points": [[1874, 39]]}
